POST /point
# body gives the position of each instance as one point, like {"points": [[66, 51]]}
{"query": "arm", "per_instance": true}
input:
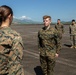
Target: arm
{"points": [[58, 42], [39, 40], [69, 30], [62, 28], [55, 27], [17, 49]]}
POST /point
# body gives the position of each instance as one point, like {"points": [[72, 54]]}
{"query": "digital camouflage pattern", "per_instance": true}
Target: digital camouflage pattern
{"points": [[60, 28], [72, 31], [11, 53], [49, 45]]}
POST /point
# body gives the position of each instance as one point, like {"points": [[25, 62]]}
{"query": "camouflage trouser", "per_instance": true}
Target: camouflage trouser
{"points": [[73, 40], [47, 65]]}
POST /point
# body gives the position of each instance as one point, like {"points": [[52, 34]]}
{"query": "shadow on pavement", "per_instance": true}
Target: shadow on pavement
{"points": [[38, 70], [67, 45]]}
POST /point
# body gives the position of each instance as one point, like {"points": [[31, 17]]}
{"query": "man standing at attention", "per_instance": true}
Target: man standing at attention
{"points": [[72, 31], [59, 26], [49, 46]]}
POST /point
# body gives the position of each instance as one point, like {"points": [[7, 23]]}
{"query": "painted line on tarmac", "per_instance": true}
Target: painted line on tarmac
{"points": [[35, 54], [59, 60]]}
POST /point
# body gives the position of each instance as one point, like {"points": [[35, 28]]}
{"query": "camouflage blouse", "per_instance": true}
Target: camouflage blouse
{"points": [[11, 53], [60, 27], [72, 29], [49, 41]]}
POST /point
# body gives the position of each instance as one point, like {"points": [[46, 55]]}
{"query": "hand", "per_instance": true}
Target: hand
{"points": [[56, 55]]}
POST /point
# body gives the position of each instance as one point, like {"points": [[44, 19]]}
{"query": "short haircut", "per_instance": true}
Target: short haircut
{"points": [[46, 16], [59, 19], [73, 20]]}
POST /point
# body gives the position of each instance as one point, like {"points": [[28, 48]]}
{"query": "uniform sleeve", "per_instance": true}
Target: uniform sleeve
{"points": [[58, 41], [62, 28], [69, 29], [38, 41], [55, 27], [17, 48], [16, 55]]}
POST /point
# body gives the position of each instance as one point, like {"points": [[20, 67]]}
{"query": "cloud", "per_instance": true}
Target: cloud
{"points": [[22, 17], [14, 17], [25, 17]]}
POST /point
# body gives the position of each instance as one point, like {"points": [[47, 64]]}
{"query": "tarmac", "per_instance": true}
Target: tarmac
{"points": [[65, 63]]}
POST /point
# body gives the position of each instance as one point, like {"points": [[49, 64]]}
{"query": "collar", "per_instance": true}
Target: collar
{"points": [[46, 27]]}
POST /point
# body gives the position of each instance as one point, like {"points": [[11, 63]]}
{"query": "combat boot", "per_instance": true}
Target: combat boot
{"points": [[75, 47], [72, 47]]}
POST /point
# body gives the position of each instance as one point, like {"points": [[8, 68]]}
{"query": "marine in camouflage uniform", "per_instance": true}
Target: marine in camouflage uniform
{"points": [[11, 45], [72, 31], [59, 26], [49, 46], [11, 53]]}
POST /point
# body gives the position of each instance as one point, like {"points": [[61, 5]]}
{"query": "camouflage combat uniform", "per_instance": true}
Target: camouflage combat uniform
{"points": [[72, 31], [49, 45], [11, 53], [60, 28]]}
